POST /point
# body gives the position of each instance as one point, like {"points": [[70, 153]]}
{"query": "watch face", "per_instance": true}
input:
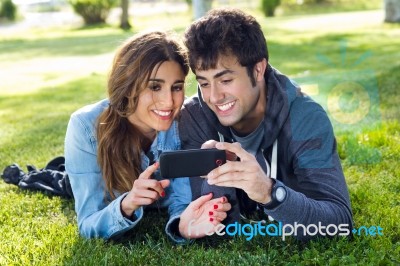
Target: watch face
{"points": [[280, 193]]}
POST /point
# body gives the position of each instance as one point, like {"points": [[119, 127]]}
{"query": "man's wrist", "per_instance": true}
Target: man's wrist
{"points": [[270, 185], [278, 195]]}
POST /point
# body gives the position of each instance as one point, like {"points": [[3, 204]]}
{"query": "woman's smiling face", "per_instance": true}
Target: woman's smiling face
{"points": [[162, 99]]}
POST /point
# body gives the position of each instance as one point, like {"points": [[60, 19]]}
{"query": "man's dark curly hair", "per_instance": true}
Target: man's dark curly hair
{"points": [[225, 31]]}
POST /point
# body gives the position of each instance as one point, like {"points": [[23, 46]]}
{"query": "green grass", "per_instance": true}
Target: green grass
{"points": [[61, 43], [41, 230]]}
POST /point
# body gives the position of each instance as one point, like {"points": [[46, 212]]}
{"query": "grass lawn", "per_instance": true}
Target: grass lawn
{"points": [[46, 75]]}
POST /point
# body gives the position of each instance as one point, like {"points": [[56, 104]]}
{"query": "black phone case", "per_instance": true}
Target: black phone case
{"points": [[189, 163]]}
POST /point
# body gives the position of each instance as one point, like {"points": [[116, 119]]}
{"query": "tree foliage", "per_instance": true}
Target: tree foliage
{"points": [[268, 7], [8, 9], [93, 11]]}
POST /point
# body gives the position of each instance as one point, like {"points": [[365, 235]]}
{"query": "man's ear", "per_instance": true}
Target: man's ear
{"points": [[259, 69]]}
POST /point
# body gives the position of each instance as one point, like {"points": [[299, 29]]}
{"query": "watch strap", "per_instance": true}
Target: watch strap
{"points": [[274, 201]]}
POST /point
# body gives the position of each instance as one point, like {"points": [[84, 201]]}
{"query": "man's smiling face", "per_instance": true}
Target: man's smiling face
{"points": [[228, 91]]}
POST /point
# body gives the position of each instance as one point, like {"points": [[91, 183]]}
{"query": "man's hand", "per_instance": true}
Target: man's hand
{"points": [[202, 216], [210, 144], [245, 174]]}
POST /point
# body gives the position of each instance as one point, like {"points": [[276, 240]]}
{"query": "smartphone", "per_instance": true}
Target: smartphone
{"points": [[189, 163]]}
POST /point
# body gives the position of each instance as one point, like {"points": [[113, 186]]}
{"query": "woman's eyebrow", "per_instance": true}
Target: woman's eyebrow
{"points": [[156, 80], [163, 81]]}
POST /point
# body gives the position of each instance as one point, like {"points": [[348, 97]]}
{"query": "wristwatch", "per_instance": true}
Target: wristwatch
{"points": [[278, 195]]}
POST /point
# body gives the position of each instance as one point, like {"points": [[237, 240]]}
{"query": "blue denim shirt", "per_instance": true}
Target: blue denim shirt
{"points": [[96, 216]]}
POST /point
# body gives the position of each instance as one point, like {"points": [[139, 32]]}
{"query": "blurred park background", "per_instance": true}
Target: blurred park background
{"points": [[344, 53]]}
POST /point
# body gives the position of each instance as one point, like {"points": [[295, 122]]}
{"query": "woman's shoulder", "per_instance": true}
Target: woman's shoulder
{"points": [[85, 117], [91, 111]]}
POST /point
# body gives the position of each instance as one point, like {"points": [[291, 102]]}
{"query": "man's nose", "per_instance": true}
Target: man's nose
{"points": [[215, 94]]}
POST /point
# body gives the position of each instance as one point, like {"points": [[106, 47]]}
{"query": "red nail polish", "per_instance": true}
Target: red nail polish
{"points": [[210, 213], [163, 194], [215, 206], [211, 219]]}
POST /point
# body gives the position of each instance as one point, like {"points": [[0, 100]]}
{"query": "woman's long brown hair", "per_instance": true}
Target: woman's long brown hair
{"points": [[119, 141]]}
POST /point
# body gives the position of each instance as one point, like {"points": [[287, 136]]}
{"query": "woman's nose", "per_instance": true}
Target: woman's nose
{"points": [[166, 98]]}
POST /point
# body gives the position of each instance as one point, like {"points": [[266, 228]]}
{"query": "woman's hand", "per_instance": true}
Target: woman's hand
{"points": [[144, 191], [202, 216]]}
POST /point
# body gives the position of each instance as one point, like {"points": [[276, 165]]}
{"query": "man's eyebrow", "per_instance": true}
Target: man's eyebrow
{"points": [[219, 74]]}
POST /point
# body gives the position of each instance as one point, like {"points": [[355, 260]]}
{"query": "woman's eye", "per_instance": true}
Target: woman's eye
{"points": [[155, 87], [177, 88]]}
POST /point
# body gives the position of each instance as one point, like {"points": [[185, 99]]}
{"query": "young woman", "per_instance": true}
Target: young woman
{"points": [[112, 147]]}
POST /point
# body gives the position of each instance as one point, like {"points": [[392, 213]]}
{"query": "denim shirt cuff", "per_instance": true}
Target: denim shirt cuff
{"points": [[172, 234], [123, 222]]}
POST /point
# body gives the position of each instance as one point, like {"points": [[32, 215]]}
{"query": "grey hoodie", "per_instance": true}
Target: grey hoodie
{"points": [[308, 163]]}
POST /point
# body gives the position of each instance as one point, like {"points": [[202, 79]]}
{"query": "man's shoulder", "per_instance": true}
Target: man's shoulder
{"points": [[308, 119], [191, 102], [296, 99], [194, 120], [304, 106], [191, 108]]}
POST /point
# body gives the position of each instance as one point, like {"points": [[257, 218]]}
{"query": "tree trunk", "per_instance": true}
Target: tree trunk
{"points": [[392, 10], [201, 7], [125, 15]]}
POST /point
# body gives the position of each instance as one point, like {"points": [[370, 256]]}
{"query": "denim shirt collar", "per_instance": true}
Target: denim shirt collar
{"points": [[164, 141]]}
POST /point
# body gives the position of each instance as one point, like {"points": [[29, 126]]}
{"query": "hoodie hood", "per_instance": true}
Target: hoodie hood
{"points": [[281, 92]]}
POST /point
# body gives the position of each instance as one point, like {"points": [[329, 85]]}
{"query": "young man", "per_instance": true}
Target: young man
{"points": [[287, 164]]}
